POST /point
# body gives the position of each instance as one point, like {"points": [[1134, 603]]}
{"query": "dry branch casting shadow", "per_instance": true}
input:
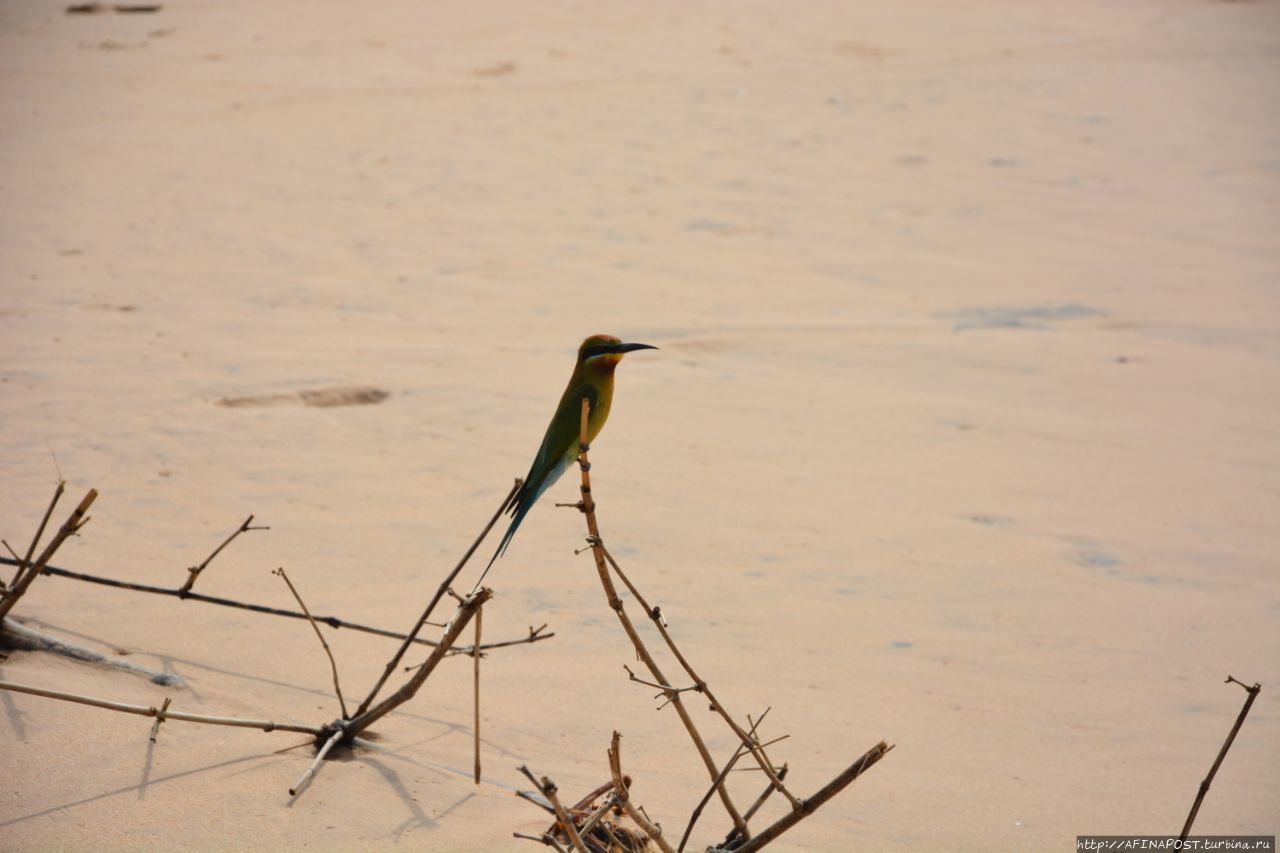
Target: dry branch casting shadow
{"points": [[574, 825], [341, 732]]}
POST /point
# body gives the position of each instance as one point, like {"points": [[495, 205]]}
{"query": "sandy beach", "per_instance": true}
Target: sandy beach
{"points": [[963, 433]]}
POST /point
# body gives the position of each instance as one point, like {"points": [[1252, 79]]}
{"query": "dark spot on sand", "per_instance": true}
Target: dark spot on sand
{"points": [[345, 395], [1028, 317]]}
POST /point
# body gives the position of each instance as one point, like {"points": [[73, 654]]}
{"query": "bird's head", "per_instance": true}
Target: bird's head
{"points": [[606, 349]]}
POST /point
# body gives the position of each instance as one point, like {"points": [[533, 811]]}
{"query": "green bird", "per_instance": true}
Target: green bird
{"points": [[592, 378]]}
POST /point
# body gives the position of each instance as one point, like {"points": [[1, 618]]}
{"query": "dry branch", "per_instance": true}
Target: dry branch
{"points": [[35, 540], [466, 610], [1253, 691], [740, 837], [655, 614], [334, 622], [426, 614], [475, 675], [809, 806], [588, 508], [622, 792], [74, 522], [333, 665], [337, 734], [152, 711], [194, 571]]}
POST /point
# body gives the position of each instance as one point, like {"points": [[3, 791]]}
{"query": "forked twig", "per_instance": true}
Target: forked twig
{"points": [[35, 540], [622, 793], [588, 508], [655, 614], [333, 665], [194, 571], [315, 765], [548, 789], [466, 610], [809, 806], [1253, 691], [426, 614], [719, 780], [74, 522], [335, 622]]}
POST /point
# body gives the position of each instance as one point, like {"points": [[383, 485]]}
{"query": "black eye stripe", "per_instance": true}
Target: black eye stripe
{"points": [[592, 352]]}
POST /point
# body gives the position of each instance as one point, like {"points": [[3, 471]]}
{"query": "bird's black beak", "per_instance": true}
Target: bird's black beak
{"points": [[624, 348]]}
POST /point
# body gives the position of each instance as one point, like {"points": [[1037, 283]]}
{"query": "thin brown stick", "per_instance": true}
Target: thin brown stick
{"points": [[706, 798], [194, 571], [315, 765], [74, 522], [475, 676], [1253, 691], [35, 540], [594, 818], [732, 838], [548, 789], [466, 610], [809, 806], [588, 508], [622, 792], [535, 635], [764, 795], [152, 711], [543, 839], [426, 614], [333, 665], [700, 685]]}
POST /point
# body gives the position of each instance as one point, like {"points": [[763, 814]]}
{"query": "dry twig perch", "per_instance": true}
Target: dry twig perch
{"points": [[740, 838]]}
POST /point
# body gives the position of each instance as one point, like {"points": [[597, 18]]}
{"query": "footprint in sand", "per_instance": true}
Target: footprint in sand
{"points": [[343, 395]]}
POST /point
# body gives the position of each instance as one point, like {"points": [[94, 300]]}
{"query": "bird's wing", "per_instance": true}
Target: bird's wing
{"points": [[557, 452]]}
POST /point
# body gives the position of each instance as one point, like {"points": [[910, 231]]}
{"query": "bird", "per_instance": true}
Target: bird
{"points": [[592, 378]]}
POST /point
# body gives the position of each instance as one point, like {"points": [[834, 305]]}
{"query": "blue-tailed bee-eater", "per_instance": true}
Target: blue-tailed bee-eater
{"points": [[592, 378]]}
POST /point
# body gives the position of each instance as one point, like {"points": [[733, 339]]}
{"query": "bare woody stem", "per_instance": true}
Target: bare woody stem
{"points": [[597, 550], [335, 622], [623, 795], [548, 790], [333, 666], [475, 675], [35, 540], [461, 617], [152, 711], [435, 599], [809, 806], [1253, 692], [194, 571], [728, 766], [315, 764], [748, 741], [73, 523]]}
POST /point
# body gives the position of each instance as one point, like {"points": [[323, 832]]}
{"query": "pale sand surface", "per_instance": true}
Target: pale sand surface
{"points": [[964, 432]]}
